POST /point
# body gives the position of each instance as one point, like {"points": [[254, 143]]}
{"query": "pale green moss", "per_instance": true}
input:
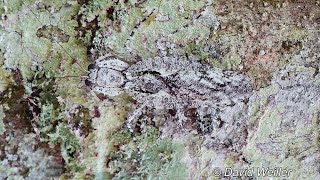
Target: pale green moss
{"points": [[269, 122], [163, 161], [298, 34], [110, 121]]}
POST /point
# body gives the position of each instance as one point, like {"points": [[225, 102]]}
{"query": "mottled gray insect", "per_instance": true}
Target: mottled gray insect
{"points": [[169, 83], [106, 76]]}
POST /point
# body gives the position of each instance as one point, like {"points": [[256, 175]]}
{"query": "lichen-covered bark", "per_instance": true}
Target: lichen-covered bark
{"points": [[54, 126]]}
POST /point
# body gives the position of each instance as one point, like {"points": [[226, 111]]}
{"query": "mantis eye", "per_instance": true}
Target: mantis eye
{"points": [[91, 66], [88, 82]]}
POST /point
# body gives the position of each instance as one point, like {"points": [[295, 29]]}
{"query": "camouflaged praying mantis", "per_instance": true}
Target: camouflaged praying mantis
{"points": [[171, 83]]}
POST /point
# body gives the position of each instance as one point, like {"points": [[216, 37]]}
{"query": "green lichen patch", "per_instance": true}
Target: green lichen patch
{"points": [[42, 37], [69, 144], [39, 41], [285, 134], [269, 122], [123, 154], [49, 118], [163, 161], [22, 158]]}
